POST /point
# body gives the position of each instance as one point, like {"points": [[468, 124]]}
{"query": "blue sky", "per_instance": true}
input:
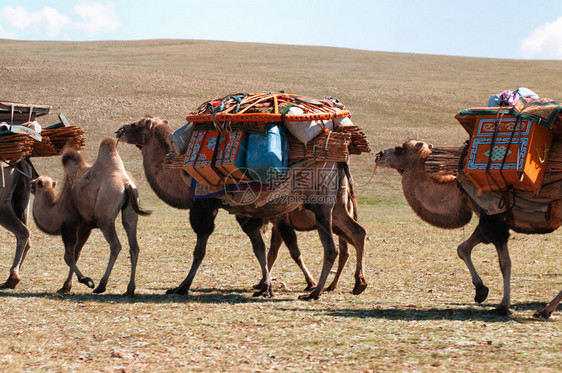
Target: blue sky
{"points": [[498, 29]]}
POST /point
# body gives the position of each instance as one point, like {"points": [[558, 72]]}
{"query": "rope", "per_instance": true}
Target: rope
{"points": [[370, 179]]}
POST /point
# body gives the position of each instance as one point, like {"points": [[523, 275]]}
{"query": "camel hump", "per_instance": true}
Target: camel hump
{"points": [[108, 157], [73, 163]]}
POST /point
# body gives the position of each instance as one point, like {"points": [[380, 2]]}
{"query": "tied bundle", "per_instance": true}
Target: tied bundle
{"points": [[326, 147], [55, 139], [444, 160], [14, 146]]}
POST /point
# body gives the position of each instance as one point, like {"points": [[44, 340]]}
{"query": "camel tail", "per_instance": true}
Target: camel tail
{"points": [[133, 195]]}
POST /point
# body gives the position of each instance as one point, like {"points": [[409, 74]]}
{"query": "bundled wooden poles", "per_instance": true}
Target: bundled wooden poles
{"points": [[55, 139], [14, 146], [444, 160]]}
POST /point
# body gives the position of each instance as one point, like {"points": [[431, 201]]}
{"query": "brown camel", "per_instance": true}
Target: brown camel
{"points": [[149, 134], [445, 204], [91, 197], [15, 190]]}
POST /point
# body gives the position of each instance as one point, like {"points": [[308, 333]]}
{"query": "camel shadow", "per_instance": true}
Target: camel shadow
{"points": [[209, 295], [453, 312]]}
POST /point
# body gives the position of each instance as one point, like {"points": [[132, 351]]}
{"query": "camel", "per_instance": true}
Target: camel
{"points": [[91, 197], [15, 191], [442, 202], [171, 185]]}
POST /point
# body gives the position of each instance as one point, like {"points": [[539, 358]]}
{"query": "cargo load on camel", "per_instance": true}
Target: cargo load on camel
{"points": [[21, 135], [512, 160], [257, 139]]}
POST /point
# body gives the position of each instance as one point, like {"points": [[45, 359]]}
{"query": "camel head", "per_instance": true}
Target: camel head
{"points": [[138, 133], [43, 184], [410, 154]]}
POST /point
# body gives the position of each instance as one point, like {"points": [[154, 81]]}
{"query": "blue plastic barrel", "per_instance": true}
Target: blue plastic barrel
{"points": [[267, 155]]}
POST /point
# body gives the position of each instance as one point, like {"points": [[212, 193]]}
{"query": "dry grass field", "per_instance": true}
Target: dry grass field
{"points": [[418, 312]]}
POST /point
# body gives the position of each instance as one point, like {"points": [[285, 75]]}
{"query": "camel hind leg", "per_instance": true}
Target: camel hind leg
{"points": [[287, 233], [13, 217], [129, 219], [343, 256], [108, 230], [351, 231], [323, 214]]}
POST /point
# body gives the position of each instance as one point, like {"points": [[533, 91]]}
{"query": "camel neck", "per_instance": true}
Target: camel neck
{"points": [[46, 211], [438, 203], [167, 183]]}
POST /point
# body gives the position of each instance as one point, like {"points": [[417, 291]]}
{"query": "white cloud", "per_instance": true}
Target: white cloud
{"points": [[94, 17], [97, 17], [48, 19], [545, 41]]}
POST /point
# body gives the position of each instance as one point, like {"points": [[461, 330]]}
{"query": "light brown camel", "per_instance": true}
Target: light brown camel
{"points": [[15, 190], [91, 197], [149, 134], [444, 203]]}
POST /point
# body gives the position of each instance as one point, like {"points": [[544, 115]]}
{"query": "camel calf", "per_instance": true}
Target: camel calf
{"points": [[91, 197]]}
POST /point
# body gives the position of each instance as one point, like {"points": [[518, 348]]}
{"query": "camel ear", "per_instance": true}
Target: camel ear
{"points": [[40, 183], [430, 146], [419, 146], [165, 122], [54, 183]]}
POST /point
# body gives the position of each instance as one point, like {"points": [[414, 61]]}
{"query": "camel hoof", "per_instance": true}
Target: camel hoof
{"points": [[87, 281], [481, 294], [359, 288], [100, 289], [266, 293], [10, 283], [64, 290], [542, 314], [177, 291], [129, 294], [308, 296], [500, 311], [257, 286]]}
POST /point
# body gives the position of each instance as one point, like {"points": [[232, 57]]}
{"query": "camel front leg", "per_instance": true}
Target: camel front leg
{"points": [[108, 230], [70, 240], [323, 214], [549, 309], [202, 219], [252, 228], [83, 235], [464, 251]]}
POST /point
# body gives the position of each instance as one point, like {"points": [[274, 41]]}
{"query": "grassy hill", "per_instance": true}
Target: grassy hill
{"points": [[416, 315]]}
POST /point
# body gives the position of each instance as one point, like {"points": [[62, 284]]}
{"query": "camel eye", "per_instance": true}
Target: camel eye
{"points": [[398, 150]]}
